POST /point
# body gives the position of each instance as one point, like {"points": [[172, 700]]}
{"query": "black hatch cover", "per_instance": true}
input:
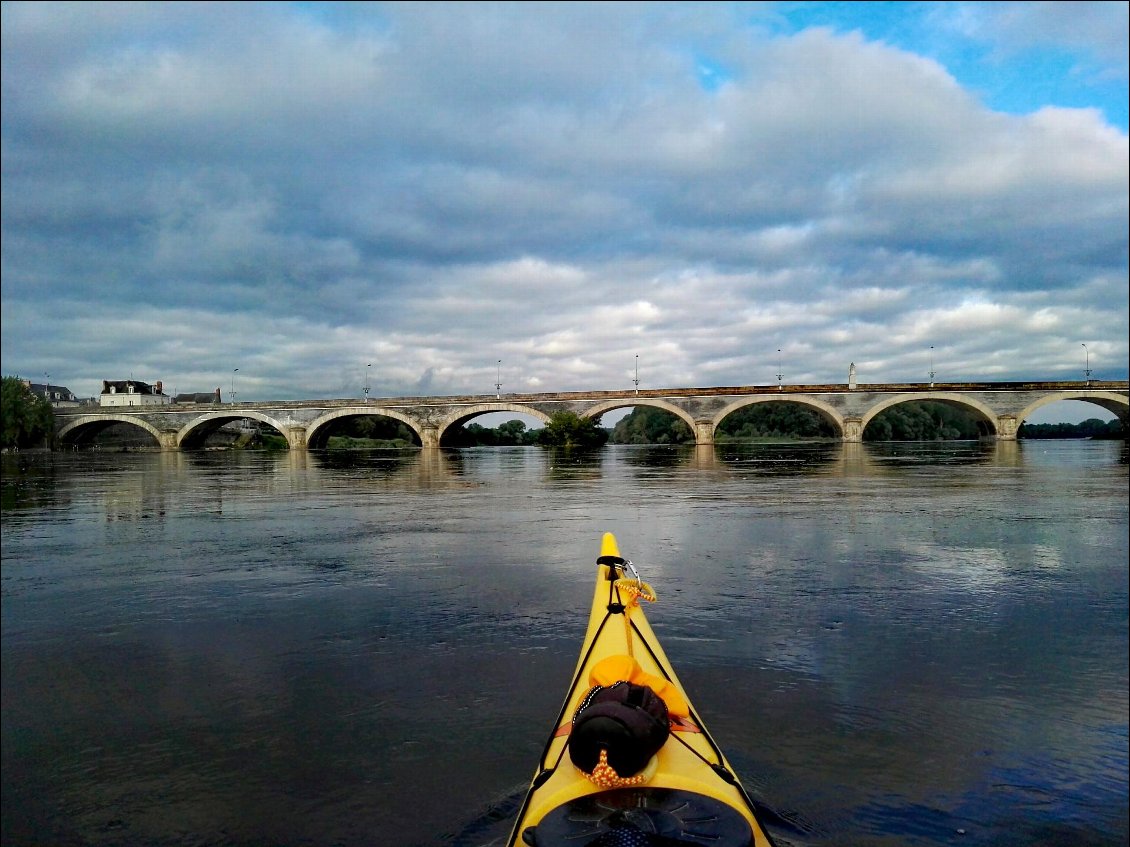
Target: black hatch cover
{"points": [[647, 817]]}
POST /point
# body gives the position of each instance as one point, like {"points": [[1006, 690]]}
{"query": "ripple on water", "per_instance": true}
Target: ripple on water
{"points": [[252, 649]]}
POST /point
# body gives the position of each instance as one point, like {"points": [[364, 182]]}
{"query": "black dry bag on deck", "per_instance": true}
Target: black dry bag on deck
{"points": [[628, 721]]}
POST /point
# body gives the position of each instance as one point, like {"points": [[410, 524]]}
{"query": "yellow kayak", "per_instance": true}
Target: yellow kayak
{"points": [[629, 761]]}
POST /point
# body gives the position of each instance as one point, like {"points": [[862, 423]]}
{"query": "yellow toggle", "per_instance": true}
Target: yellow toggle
{"points": [[635, 589]]}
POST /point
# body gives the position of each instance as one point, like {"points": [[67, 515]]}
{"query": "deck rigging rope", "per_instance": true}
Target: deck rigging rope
{"points": [[633, 589]]}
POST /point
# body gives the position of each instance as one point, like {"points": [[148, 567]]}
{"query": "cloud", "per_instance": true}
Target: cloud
{"points": [[299, 191], [1098, 28]]}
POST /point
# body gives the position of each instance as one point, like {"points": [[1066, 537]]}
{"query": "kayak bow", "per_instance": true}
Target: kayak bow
{"points": [[686, 794]]}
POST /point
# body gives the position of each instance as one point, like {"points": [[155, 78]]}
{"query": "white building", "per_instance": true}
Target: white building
{"points": [[132, 392]]}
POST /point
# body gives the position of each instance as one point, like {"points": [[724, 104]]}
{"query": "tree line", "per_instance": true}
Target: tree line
{"points": [[916, 421], [26, 419], [790, 421], [563, 429], [1090, 428]]}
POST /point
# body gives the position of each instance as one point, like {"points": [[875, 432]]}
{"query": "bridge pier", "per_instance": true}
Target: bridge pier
{"points": [[296, 437], [853, 430], [1007, 427], [704, 433], [167, 439], [429, 437]]}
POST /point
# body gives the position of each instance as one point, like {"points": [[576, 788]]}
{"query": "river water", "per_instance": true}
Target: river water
{"points": [[895, 644]]}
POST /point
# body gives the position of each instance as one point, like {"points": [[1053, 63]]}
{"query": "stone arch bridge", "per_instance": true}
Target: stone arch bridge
{"points": [[998, 407]]}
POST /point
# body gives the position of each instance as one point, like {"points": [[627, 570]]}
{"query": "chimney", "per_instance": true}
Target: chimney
{"points": [[158, 386]]}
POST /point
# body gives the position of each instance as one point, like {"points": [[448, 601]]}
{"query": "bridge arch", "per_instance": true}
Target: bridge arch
{"points": [[466, 413], [195, 431], [1114, 403], [599, 409], [986, 416], [87, 428], [316, 428], [825, 410]]}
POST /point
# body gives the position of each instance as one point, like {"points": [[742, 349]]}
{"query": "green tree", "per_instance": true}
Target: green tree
{"points": [[511, 432], [24, 418], [775, 419], [478, 434], [649, 425], [1090, 428], [508, 434], [470, 435], [568, 429], [922, 420], [373, 428]]}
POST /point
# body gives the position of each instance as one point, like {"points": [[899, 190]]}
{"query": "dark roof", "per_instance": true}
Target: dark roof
{"points": [[198, 397], [49, 391]]}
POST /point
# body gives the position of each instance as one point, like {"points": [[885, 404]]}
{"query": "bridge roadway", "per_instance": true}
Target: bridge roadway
{"points": [[998, 407]]}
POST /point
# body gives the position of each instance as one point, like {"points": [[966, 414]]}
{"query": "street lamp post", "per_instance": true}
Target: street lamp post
{"points": [[367, 372], [931, 365], [47, 397], [498, 381], [233, 373], [636, 381], [1087, 366], [780, 387]]}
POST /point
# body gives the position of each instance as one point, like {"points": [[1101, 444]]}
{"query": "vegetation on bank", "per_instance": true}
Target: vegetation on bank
{"points": [[26, 420], [774, 421], [648, 425], [922, 421], [570, 430], [509, 434], [1090, 428], [376, 431]]}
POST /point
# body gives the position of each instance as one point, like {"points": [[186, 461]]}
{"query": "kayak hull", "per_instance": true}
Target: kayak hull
{"points": [[690, 781]]}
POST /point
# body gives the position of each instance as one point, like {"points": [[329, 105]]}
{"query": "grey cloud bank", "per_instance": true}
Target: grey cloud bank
{"points": [[299, 191]]}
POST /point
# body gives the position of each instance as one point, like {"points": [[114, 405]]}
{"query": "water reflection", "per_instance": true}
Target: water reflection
{"points": [[28, 481], [777, 460], [135, 486], [369, 461], [917, 454], [891, 643], [574, 465], [660, 455]]}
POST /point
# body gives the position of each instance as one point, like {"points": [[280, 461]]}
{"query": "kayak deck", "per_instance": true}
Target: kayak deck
{"points": [[691, 794]]}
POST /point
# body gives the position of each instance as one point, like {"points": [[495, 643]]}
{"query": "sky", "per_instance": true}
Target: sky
{"points": [[299, 200]]}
